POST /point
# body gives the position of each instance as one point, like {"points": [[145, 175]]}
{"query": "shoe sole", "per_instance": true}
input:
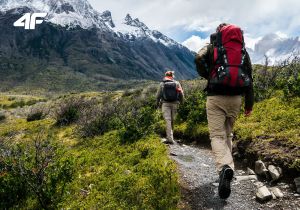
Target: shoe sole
{"points": [[224, 186]]}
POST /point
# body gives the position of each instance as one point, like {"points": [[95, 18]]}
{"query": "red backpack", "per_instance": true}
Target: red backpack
{"points": [[229, 56]]}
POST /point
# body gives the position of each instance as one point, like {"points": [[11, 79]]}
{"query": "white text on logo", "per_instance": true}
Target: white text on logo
{"points": [[28, 21]]}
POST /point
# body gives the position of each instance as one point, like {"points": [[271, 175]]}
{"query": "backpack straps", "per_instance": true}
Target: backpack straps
{"points": [[222, 56], [243, 53]]}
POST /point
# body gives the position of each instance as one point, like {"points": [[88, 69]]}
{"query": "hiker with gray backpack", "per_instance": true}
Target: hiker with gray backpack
{"points": [[226, 65], [169, 95]]}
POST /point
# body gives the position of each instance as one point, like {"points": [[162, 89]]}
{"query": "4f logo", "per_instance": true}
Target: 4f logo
{"points": [[28, 21]]}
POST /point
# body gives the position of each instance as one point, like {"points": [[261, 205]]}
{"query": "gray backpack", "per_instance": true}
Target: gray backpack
{"points": [[169, 91]]}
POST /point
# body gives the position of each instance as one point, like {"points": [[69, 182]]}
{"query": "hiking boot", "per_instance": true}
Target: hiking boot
{"points": [[226, 176], [168, 142]]}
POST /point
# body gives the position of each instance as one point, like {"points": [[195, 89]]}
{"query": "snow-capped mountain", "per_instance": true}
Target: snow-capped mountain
{"points": [[73, 13], [133, 28], [78, 47], [276, 46], [69, 13]]}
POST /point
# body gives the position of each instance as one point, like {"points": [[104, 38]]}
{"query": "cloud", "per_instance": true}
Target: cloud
{"points": [[250, 41], [203, 24], [195, 43], [256, 17]]}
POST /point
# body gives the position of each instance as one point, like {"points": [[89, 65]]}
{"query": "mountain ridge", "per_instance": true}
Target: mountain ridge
{"points": [[277, 47], [86, 57]]}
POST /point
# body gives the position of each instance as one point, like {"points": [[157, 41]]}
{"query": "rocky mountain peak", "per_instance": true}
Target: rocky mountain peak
{"points": [[276, 46], [107, 18], [128, 18], [135, 23], [74, 13], [66, 7]]}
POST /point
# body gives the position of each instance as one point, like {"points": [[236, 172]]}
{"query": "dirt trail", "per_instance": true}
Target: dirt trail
{"points": [[199, 184]]}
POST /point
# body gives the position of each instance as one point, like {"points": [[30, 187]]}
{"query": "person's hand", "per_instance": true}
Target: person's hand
{"points": [[248, 112]]}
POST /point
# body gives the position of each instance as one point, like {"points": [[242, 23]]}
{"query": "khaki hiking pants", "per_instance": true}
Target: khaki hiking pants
{"points": [[221, 115], [169, 111]]}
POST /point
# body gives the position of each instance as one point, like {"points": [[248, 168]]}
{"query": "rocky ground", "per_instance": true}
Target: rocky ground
{"points": [[199, 184]]}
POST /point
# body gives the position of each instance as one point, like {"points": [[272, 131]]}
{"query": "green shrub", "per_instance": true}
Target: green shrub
{"points": [[113, 175], [11, 98], [291, 87], [35, 115], [34, 172], [2, 117], [271, 117], [288, 76], [16, 104], [70, 110], [283, 76], [193, 109], [31, 102], [137, 123], [98, 120]]}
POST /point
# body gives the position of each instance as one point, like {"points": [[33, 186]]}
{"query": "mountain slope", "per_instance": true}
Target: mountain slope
{"points": [[84, 50]]}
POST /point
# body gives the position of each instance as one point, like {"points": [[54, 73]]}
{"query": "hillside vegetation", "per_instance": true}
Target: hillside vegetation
{"points": [[94, 150], [102, 150]]}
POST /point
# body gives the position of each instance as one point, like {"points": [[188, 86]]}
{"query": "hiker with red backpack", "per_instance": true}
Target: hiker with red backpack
{"points": [[226, 65], [169, 94]]}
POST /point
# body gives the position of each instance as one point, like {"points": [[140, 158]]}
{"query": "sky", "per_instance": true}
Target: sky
{"points": [[192, 21]]}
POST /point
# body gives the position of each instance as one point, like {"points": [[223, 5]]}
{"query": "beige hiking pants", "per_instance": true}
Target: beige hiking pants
{"points": [[221, 114], [169, 111]]}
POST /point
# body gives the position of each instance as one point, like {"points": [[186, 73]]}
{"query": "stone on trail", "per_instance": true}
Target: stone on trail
{"points": [[260, 168], [204, 165], [258, 184], [245, 178], [215, 184], [273, 195], [275, 172], [277, 192], [240, 172], [250, 171], [263, 194], [297, 183]]}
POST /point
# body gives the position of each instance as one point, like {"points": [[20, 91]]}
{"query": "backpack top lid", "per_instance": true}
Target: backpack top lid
{"points": [[231, 33]]}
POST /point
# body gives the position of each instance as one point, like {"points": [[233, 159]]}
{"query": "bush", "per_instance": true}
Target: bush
{"points": [[98, 120], [137, 115], [39, 115], [284, 76], [137, 123], [133, 115], [193, 109], [34, 172], [31, 102], [2, 117], [18, 104], [117, 176], [11, 98], [69, 111], [292, 87]]}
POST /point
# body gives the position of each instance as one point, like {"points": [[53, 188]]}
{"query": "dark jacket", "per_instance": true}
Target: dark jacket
{"points": [[205, 63], [159, 94]]}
